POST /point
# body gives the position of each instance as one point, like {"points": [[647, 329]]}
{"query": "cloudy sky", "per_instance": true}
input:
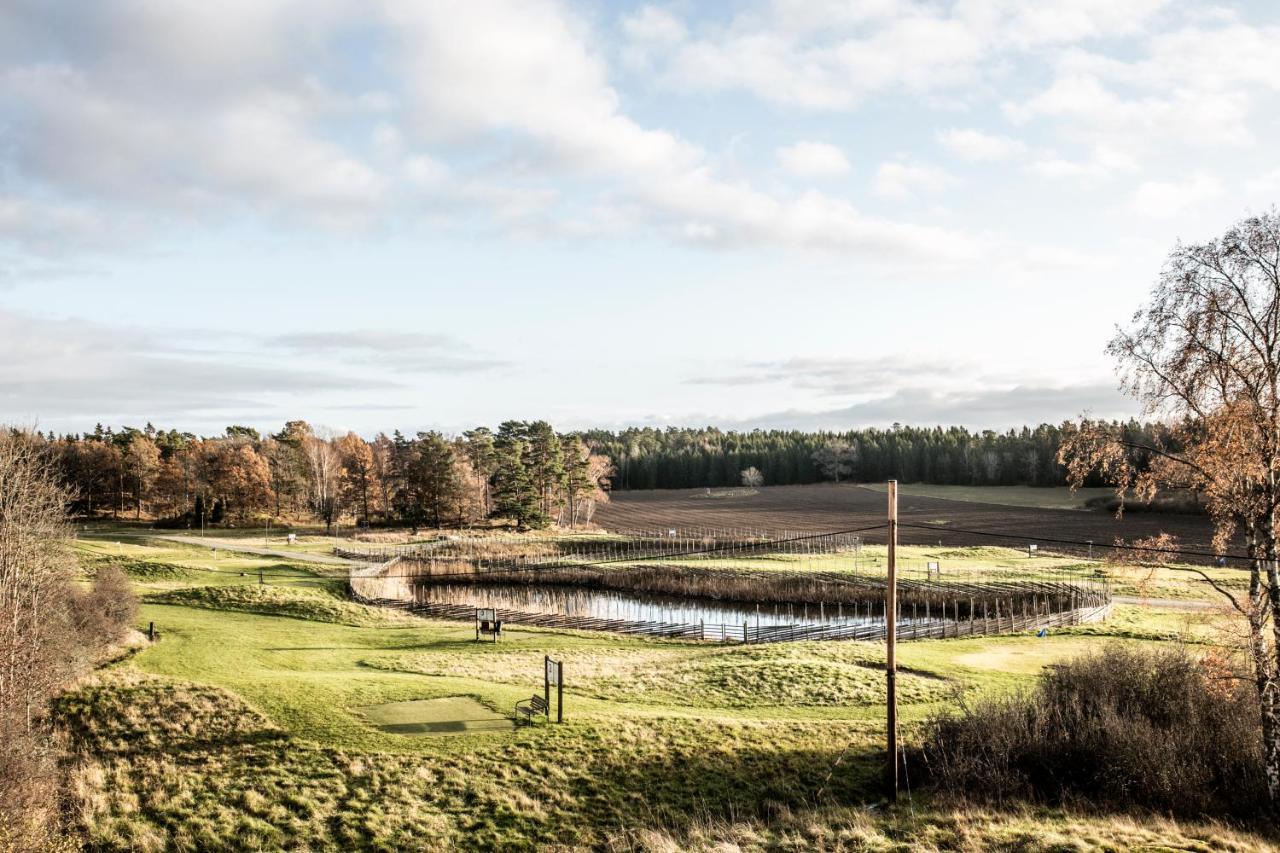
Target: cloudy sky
{"points": [[808, 213]]}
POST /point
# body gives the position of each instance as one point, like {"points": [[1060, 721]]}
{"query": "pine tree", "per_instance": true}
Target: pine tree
{"points": [[577, 475], [545, 464], [514, 495]]}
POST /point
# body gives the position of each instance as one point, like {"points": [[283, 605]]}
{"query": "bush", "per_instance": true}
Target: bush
{"points": [[108, 608], [1122, 727]]}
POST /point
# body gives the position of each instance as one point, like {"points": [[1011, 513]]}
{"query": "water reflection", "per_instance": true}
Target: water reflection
{"points": [[640, 607]]}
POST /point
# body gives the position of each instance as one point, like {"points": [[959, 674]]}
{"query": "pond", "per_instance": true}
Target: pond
{"points": [[580, 602]]}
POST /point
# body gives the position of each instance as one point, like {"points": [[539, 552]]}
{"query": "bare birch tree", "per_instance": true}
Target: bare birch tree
{"points": [[324, 464], [35, 623], [1204, 354]]}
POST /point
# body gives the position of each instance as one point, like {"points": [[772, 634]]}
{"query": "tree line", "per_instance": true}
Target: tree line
{"points": [[679, 458], [524, 472]]}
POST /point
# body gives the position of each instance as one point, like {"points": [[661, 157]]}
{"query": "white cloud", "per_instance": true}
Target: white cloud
{"points": [[485, 67], [918, 52], [654, 25], [978, 146], [1165, 200], [832, 55], [840, 376], [95, 131], [898, 179], [1067, 21], [813, 160], [1093, 111], [997, 407], [1103, 162], [1266, 185], [52, 371], [149, 113]]}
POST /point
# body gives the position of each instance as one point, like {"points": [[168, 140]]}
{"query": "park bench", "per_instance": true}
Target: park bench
{"points": [[531, 706]]}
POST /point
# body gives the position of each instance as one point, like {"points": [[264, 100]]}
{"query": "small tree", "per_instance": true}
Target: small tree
{"points": [[835, 459], [752, 477]]}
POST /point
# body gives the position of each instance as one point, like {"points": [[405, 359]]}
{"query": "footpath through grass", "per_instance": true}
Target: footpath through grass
{"points": [[271, 716]]}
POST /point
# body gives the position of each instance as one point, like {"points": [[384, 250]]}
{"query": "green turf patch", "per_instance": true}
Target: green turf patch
{"points": [[140, 570], [444, 716], [317, 605]]}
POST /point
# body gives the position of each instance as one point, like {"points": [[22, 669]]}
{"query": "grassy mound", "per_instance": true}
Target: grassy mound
{"points": [[786, 674], [138, 569], [317, 605]]}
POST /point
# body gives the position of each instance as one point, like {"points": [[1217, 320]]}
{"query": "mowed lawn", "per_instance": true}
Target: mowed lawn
{"points": [[271, 716]]}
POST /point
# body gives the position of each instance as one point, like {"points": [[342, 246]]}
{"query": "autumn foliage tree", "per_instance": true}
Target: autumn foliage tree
{"points": [[1204, 356]]}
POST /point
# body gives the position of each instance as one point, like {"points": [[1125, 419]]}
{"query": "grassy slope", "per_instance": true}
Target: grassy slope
{"points": [[244, 725]]}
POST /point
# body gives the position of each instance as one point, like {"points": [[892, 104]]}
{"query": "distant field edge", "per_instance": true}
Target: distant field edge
{"points": [[1036, 497]]}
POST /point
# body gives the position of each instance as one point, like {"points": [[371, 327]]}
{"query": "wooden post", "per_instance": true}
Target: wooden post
{"points": [[891, 640], [546, 684], [151, 631], [560, 692]]}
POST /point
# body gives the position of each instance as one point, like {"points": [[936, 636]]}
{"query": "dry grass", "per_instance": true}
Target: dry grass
{"points": [[932, 826]]}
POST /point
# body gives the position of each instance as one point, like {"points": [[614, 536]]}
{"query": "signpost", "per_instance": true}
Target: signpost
{"points": [[553, 673], [1031, 549], [487, 623], [935, 571]]}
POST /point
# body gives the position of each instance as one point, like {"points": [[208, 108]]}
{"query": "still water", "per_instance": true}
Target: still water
{"points": [[640, 607]]}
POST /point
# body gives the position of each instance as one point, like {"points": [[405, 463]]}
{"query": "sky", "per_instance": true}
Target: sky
{"points": [[435, 215]]}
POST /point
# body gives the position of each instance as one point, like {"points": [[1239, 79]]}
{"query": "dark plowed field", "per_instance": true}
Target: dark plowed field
{"points": [[843, 507]]}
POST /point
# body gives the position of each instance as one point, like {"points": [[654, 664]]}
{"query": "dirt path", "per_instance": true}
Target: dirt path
{"points": [[224, 545]]}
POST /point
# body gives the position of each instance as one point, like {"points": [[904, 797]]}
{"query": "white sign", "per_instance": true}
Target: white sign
{"points": [[553, 672], [933, 568], [1033, 547], [486, 614]]}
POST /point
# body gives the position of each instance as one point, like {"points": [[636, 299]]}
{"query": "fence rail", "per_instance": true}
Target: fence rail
{"points": [[932, 628], [958, 605]]}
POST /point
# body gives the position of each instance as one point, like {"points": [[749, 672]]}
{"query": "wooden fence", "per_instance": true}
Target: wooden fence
{"points": [[994, 621]]}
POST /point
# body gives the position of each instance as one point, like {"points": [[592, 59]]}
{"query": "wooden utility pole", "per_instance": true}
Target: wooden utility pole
{"points": [[891, 639]]}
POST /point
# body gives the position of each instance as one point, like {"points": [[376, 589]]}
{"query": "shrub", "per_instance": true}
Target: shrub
{"points": [[110, 607], [1122, 727]]}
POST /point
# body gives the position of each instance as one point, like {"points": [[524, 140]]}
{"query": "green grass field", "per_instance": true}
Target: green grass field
{"points": [[1030, 496], [281, 715]]}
